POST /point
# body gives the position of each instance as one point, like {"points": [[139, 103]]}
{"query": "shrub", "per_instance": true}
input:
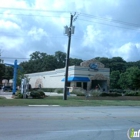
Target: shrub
{"points": [[79, 92], [116, 91], [94, 92], [132, 93], [37, 94], [18, 95], [2, 97], [48, 89], [41, 92], [59, 90], [113, 94]]}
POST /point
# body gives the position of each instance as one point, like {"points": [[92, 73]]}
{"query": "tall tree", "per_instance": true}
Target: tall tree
{"points": [[8, 74], [61, 58], [2, 71], [131, 78], [114, 78], [75, 61], [104, 60], [117, 63]]}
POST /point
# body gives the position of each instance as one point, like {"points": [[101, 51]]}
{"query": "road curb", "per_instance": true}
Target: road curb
{"points": [[42, 105]]}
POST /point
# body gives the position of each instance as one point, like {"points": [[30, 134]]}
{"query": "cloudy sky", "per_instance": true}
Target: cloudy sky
{"points": [[103, 28]]}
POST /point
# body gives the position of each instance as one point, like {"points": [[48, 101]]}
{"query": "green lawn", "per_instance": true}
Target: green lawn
{"points": [[72, 101]]}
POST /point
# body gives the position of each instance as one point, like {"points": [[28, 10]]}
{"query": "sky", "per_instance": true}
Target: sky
{"points": [[103, 28]]}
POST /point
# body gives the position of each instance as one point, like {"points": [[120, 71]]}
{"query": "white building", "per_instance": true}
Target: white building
{"points": [[88, 75]]}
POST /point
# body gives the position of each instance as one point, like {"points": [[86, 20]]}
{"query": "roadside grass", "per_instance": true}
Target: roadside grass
{"points": [[2, 98], [72, 101]]}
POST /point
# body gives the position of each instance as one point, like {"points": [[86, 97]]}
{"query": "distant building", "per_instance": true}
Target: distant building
{"points": [[89, 75]]}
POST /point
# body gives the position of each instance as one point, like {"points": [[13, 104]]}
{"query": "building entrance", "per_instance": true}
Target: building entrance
{"points": [[100, 84]]}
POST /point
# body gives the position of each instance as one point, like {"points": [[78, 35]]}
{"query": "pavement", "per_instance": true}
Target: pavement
{"points": [[8, 95], [68, 123]]}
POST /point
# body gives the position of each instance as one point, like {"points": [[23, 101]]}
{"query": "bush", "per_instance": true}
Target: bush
{"points": [[48, 89], [59, 90], [94, 92], [116, 91], [41, 92], [113, 94], [132, 93], [18, 95], [37, 94], [2, 97], [79, 92]]}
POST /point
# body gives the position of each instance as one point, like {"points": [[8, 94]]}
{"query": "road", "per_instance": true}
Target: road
{"points": [[67, 123]]}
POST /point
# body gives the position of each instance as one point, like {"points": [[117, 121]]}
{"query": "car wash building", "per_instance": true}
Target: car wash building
{"points": [[89, 75]]}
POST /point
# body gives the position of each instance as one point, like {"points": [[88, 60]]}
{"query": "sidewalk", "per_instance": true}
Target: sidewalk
{"points": [[8, 95]]}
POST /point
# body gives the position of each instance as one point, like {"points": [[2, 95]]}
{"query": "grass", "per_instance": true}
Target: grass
{"points": [[72, 101]]}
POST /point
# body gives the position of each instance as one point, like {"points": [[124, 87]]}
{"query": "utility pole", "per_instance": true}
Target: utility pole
{"points": [[68, 32]]}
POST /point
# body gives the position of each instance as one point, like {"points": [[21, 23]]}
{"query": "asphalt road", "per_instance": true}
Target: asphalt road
{"points": [[68, 123]]}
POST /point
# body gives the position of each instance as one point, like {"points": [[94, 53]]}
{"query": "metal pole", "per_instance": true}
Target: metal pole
{"points": [[67, 60], [15, 77]]}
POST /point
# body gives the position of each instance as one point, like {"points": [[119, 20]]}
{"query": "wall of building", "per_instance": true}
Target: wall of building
{"points": [[50, 79], [53, 79]]}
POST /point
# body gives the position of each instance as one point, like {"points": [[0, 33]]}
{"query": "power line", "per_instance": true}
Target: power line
{"points": [[109, 20], [25, 9], [32, 35], [13, 58], [81, 14], [33, 15], [134, 28]]}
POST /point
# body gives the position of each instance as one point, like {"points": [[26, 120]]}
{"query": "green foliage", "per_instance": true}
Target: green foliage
{"points": [[2, 97], [114, 78], [112, 94], [75, 61], [40, 62], [2, 70], [39, 94], [115, 63], [130, 79], [124, 75], [18, 95], [47, 89], [117, 91], [94, 92], [79, 92], [20, 76], [60, 57], [132, 93], [8, 72], [59, 90]]}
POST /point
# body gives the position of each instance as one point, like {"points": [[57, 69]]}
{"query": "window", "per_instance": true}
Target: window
{"points": [[79, 84]]}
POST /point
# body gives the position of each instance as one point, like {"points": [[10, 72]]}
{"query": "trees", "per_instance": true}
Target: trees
{"points": [[75, 61], [114, 78], [115, 63], [2, 70], [61, 58], [123, 74], [40, 62], [8, 72], [104, 60], [130, 79]]}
